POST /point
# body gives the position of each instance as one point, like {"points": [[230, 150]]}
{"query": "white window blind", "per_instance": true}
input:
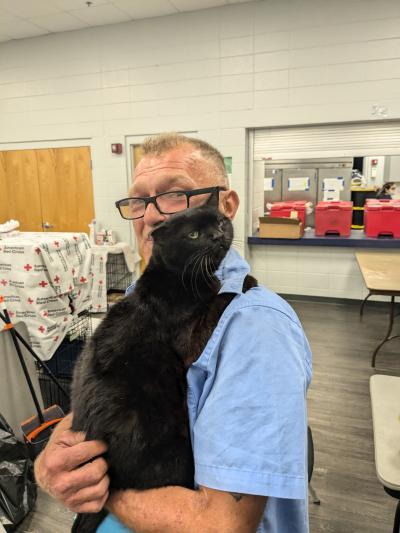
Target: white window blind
{"points": [[330, 140]]}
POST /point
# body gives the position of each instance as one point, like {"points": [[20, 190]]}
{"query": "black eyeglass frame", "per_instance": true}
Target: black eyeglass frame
{"points": [[153, 200]]}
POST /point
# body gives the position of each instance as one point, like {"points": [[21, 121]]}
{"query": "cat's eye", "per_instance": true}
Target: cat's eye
{"points": [[193, 235]]}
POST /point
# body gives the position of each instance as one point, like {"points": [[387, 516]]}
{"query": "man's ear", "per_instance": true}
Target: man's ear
{"points": [[229, 203]]}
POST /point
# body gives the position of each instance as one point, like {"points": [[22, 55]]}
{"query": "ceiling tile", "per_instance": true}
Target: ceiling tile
{"points": [[69, 5], [59, 22], [21, 29], [98, 15], [26, 8], [139, 10], [194, 5]]}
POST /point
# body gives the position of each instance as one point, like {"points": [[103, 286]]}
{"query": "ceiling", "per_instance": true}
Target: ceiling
{"points": [[20, 19]]}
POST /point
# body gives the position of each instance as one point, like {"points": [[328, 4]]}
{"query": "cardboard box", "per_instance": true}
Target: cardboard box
{"points": [[280, 228]]}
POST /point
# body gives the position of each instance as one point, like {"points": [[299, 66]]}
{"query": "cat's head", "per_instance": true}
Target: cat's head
{"points": [[195, 240]]}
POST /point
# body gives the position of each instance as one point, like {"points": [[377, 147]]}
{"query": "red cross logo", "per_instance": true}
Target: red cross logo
{"points": [[42, 329], [45, 313], [57, 279], [56, 243], [30, 301], [38, 250], [28, 267], [43, 284], [83, 279], [75, 238], [4, 282]]}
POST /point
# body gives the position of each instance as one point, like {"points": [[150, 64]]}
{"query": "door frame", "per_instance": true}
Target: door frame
{"points": [[36, 145]]}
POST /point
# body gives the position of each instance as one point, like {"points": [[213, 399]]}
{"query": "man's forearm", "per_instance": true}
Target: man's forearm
{"points": [[164, 510], [176, 509]]}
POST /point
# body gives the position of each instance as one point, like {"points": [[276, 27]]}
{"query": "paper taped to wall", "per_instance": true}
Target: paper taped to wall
{"points": [[269, 184], [333, 184], [299, 184]]}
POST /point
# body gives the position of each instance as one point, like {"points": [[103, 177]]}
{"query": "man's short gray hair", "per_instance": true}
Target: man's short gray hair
{"points": [[164, 142]]}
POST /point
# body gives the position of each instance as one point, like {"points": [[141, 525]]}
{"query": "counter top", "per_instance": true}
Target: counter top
{"points": [[357, 239]]}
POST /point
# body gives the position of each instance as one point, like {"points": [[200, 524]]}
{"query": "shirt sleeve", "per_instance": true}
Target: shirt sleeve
{"points": [[250, 435]]}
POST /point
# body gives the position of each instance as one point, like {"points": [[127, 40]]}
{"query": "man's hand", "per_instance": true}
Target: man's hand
{"points": [[70, 470]]}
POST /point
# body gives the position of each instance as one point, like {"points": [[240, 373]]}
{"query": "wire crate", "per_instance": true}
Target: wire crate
{"points": [[63, 361], [118, 276]]}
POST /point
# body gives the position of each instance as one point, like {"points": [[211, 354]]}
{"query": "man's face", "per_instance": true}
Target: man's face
{"points": [[179, 169]]}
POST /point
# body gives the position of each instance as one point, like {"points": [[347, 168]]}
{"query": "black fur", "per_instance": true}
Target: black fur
{"points": [[129, 386]]}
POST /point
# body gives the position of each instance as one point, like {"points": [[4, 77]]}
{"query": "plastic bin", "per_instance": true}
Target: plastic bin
{"points": [[382, 218], [333, 218], [284, 209]]}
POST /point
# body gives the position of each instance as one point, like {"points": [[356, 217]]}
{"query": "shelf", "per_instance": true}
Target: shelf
{"points": [[357, 239]]}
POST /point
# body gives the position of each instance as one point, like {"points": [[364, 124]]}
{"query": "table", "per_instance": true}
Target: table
{"points": [[46, 281], [381, 273], [385, 404]]}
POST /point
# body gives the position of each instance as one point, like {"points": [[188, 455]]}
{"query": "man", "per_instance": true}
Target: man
{"points": [[246, 395]]}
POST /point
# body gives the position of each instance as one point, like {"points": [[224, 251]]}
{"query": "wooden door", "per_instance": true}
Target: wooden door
{"points": [[21, 200], [65, 179], [3, 190]]}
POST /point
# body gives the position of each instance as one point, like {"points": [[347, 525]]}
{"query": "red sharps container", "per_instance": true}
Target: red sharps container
{"points": [[284, 209], [333, 218], [382, 218]]}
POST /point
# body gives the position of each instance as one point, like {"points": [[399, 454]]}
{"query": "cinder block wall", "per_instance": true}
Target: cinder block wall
{"points": [[217, 72]]}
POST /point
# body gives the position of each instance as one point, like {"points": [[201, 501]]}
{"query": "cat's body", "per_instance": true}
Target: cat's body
{"points": [[129, 386]]}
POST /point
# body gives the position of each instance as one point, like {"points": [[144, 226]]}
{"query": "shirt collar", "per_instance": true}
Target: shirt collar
{"points": [[232, 271]]}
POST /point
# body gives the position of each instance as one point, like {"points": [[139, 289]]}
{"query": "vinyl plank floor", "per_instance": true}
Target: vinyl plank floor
{"points": [[352, 499]]}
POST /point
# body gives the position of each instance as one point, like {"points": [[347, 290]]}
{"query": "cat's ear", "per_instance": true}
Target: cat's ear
{"points": [[159, 231], [213, 201]]}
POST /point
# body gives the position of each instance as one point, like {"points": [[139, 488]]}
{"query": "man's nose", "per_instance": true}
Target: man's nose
{"points": [[152, 216]]}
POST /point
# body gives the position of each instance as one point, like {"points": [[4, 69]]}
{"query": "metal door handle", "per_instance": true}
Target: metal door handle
{"points": [[47, 225]]}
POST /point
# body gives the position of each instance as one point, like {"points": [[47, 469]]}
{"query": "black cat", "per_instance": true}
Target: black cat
{"points": [[129, 386]]}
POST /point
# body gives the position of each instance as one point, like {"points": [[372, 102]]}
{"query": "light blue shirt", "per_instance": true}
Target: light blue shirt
{"points": [[247, 404]]}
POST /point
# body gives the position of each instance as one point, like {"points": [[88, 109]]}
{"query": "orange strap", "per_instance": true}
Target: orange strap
{"points": [[41, 428], [8, 326], [1, 299]]}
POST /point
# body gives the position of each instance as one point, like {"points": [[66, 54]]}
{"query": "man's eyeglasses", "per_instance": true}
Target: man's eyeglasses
{"points": [[167, 203]]}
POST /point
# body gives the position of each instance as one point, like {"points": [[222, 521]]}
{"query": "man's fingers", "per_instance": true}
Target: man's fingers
{"points": [[93, 494], [90, 507], [88, 475], [74, 456]]}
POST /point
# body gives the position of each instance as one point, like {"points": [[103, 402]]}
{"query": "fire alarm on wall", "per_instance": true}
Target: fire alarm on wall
{"points": [[116, 148]]}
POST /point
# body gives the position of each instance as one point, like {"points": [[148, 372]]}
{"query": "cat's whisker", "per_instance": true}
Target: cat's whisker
{"points": [[209, 269], [190, 260], [194, 274], [205, 272]]}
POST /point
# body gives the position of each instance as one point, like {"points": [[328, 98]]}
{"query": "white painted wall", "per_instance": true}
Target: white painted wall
{"points": [[217, 71]]}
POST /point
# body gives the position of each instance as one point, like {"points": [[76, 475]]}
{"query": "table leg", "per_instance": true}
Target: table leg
{"points": [[389, 331], [363, 304], [396, 525]]}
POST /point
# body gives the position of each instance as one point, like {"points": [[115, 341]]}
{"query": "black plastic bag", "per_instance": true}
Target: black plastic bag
{"points": [[17, 484]]}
